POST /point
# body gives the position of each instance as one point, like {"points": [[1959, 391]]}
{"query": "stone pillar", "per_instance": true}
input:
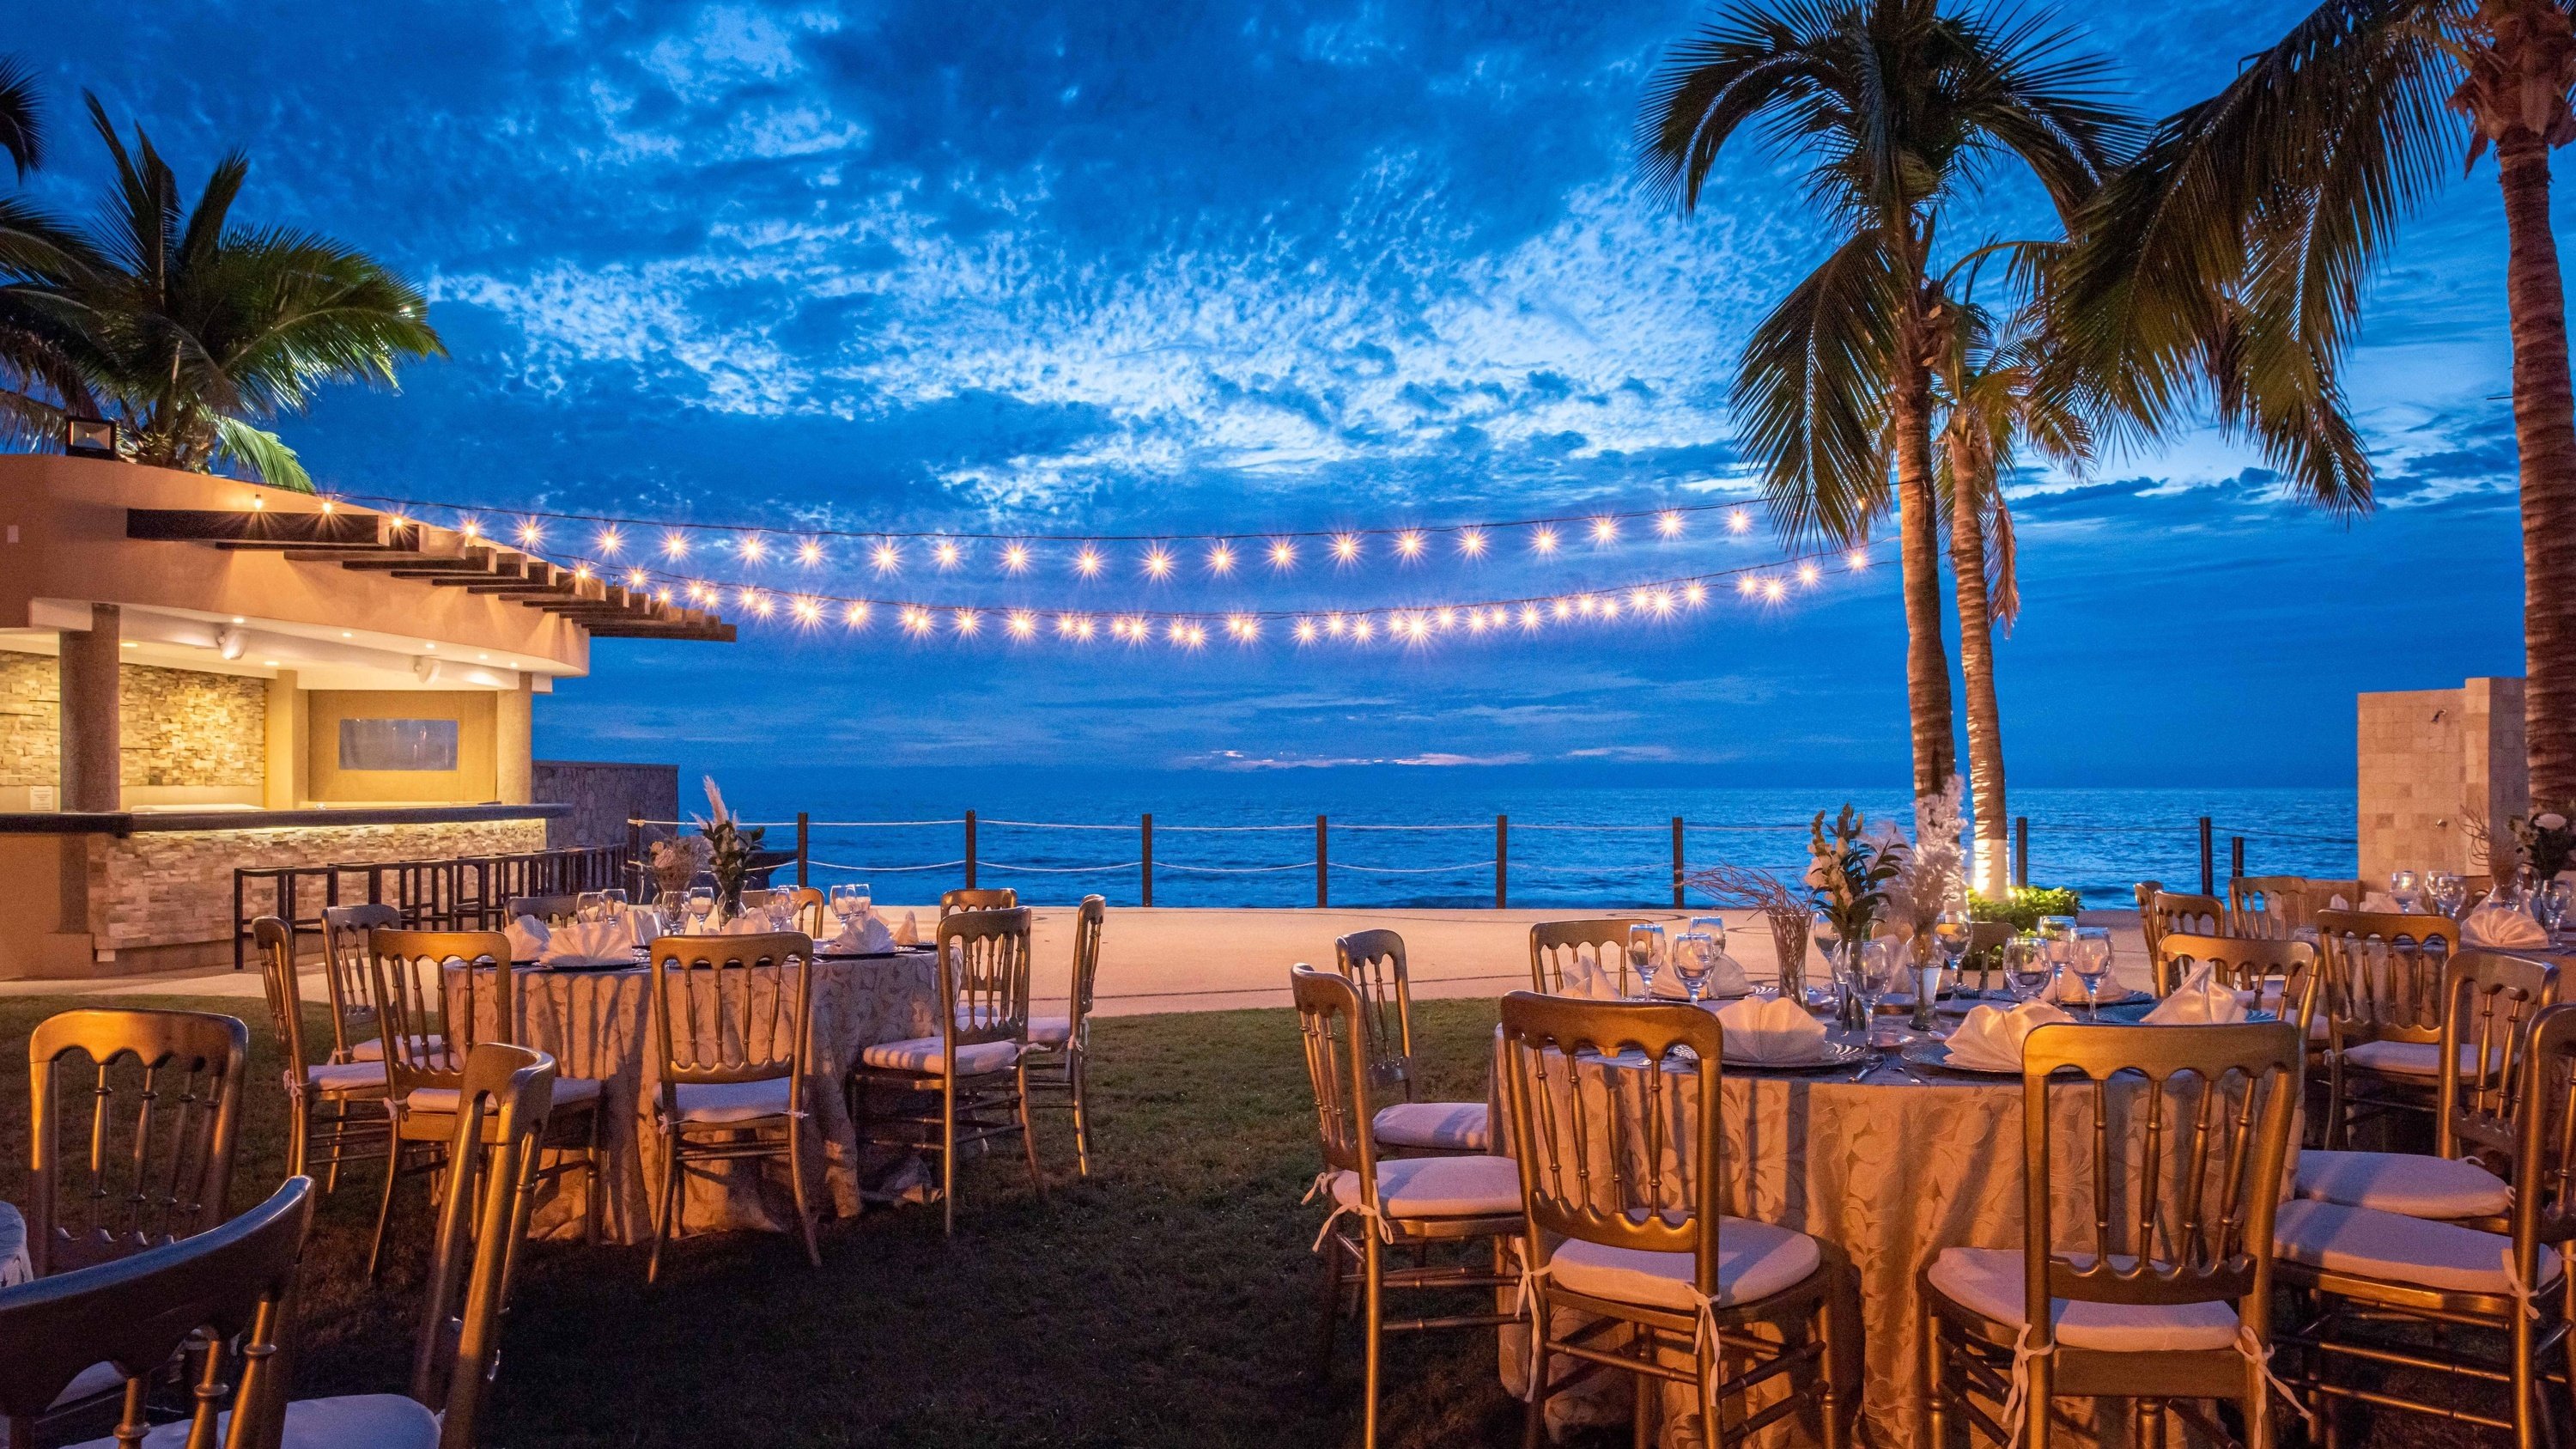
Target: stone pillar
{"points": [[287, 780], [514, 742], [92, 727], [2438, 766]]}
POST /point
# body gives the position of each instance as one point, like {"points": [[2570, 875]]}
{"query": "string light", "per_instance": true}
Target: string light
{"points": [[1089, 563], [1408, 544], [1739, 521], [1605, 530], [1859, 559], [1346, 547], [966, 622], [1668, 523], [530, 534], [1283, 555], [1220, 559], [1306, 631], [1158, 562], [856, 615], [886, 557], [635, 578], [1016, 558], [610, 541], [808, 612], [675, 545], [1471, 542], [810, 552], [1808, 574], [753, 550], [945, 554], [1023, 625], [1543, 542]]}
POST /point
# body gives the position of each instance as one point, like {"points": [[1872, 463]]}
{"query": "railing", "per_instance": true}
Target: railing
{"points": [[466, 893], [1669, 869]]}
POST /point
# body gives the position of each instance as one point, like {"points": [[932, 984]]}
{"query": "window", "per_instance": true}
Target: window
{"points": [[397, 744]]}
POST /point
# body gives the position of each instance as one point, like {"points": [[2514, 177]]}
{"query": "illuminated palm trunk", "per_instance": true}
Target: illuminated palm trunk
{"points": [[2544, 431], [1987, 873], [1927, 663]]}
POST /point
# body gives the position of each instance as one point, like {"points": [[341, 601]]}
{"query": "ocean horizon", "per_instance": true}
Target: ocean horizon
{"points": [[1424, 837]]}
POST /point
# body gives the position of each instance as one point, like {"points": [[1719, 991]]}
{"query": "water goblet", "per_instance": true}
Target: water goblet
{"points": [[614, 902], [2027, 969], [844, 900], [1949, 947], [1713, 927], [2092, 961], [1694, 956], [2551, 904], [702, 905], [588, 906], [1646, 954], [2406, 888], [866, 899], [2447, 891], [674, 906]]}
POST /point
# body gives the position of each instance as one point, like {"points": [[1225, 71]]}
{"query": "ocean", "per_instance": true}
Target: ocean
{"points": [[1426, 837]]}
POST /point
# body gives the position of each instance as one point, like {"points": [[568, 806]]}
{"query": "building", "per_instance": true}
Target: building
{"points": [[199, 674]]}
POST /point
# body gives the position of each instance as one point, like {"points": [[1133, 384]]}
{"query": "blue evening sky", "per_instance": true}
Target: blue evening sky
{"points": [[1130, 268]]}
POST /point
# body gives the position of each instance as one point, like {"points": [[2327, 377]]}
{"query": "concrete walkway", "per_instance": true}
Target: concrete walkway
{"points": [[1211, 960]]}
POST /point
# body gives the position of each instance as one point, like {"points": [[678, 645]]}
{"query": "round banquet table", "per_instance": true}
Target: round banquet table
{"points": [[17, 1264], [599, 1024], [1890, 1169]]}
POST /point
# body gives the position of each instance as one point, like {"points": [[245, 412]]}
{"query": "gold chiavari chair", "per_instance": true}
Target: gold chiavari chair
{"points": [[1646, 1252], [2377, 1275], [156, 1096], [976, 1069], [2384, 975], [989, 898], [223, 1292], [2167, 1300], [1374, 962], [2174, 913], [1379, 1205], [732, 1023], [550, 910], [1602, 944], [344, 954], [2269, 905], [337, 1106], [2285, 977], [2147, 891], [1059, 1058], [2488, 1001], [427, 1015], [807, 912]]}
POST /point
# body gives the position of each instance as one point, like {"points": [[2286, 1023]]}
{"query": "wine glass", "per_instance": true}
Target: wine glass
{"points": [[844, 900], [2447, 891], [1694, 956], [1882, 970], [674, 906], [2027, 969], [867, 901], [1713, 927], [1646, 954], [2091, 952], [588, 906], [702, 904], [2553, 903], [1950, 933], [2406, 888], [614, 902]]}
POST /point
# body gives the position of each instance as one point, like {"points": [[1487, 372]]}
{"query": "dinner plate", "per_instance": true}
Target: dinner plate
{"points": [[1936, 1054], [1832, 1056]]}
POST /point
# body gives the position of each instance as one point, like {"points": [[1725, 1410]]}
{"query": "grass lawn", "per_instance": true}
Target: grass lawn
{"points": [[1168, 1300]]}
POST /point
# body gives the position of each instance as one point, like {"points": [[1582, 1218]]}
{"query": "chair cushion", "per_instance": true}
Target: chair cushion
{"points": [[98, 1378], [2391, 1246], [2410, 1183], [347, 1077], [373, 1049], [1439, 1187], [1050, 1031], [922, 1054], [1988, 1282], [1754, 1261], [2409, 1058], [376, 1421], [1452, 1126], [569, 1092], [707, 1103]]}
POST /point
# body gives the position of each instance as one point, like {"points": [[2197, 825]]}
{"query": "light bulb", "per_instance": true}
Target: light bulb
{"points": [[1346, 547], [1739, 521], [1220, 559], [1158, 562], [886, 557], [1472, 543], [810, 552], [1543, 541], [1088, 563], [1605, 530], [1669, 524], [945, 553], [1409, 544], [1283, 555], [675, 545], [610, 541], [1015, 557], [753, 550]]}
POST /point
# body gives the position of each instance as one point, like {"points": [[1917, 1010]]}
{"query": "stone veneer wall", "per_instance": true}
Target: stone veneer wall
{"points": [[603, 798], [181, 727], [2435, 764], [169, 888]]}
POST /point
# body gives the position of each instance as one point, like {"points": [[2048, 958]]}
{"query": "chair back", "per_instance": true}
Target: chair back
{"points": [[159, 1106], [1332, 1024], [552, 910], [2174, 913], [227, 1290], [2544, 1145], [2386, 972], [427, 1018], [1591, 1169], [991, 898], [732, 1009], [2286, 977], [1090, 919], [501, 1112], [984, 976], [2209, 1109], [1555, 944], [344, 953], [2271, 905], [275, 941], [2147, 891], [2489, 1001], [807, 912], [1373, 961]]}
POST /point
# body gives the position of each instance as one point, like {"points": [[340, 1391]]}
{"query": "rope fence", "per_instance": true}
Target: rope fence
{"points": [[1671, 873]]}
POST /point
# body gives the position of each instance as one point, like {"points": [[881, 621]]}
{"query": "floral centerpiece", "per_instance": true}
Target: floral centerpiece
{"points": [[1931, 876], [1849, 869], [730, 847], [1743, 887], [677, 861]]}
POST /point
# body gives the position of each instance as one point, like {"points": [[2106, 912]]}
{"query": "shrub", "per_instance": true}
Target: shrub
{"points": [[2024, 906]]}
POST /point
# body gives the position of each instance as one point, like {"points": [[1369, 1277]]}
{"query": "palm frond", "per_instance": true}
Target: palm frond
{"points": [[1811, 395], [262, 454], [22, 116]]}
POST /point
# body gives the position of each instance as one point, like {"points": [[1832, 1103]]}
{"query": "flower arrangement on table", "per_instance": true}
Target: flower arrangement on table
{"points": [[1932, 874], [1747, 888], [730, 847], [2548, 842], [677, 861], [1849, 871]]}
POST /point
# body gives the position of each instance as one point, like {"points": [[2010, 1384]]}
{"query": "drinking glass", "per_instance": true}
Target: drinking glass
{"points": [[614, 902], [1646, 954], [702, 904], [674, 906], [845, 903], [1713, 927], [2027, 969], [2406, 888], [2092, 960], [587, 906], [1949, 947], [867, 900], [1883, 965], [1694, 956], [2553, 903], [2447, 891]]}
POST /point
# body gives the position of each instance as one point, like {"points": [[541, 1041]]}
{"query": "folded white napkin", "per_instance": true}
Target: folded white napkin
{"points": [[1989, 1037], [645, 923], [527, 938], [909, 933], [590, 943], [2503, 928], [2198, 1001], [1726, 978], [2379, 902], [749, 923], [1596, 983], [1770, 1030], [2069, 989], [862, 935]]}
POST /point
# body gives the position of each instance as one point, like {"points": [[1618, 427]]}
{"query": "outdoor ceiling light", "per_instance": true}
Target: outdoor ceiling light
{"points": [[230, 643], [89, 437]]}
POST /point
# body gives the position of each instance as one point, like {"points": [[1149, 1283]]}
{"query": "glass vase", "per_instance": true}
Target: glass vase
{"points": [[1851, 1001]]}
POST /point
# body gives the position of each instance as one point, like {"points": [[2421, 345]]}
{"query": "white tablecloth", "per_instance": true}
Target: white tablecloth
{"points": [[16, 1264]]}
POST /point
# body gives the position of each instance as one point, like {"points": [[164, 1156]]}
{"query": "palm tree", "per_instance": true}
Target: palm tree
{"points": [[1902, 106], [197, 329], [2228, 261], [2000, 392], [39, 380]]}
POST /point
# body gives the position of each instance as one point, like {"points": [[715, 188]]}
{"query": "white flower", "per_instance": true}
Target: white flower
{"points": [[2550, 820]]}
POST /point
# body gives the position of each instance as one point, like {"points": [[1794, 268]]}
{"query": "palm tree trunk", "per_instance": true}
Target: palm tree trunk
{"points": [[2544, 432], [1977, 674], [1927, 663]]}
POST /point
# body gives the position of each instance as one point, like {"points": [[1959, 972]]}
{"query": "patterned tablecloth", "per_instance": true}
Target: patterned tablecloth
{"points": [[598, 1024], [16, 1265], [1891, 1169]]}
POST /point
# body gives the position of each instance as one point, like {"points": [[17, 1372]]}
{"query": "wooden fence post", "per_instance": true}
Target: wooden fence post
{"points": [[1322, 895], [1149, 857], [1677, 862], [1502, 860], [970, 850]]}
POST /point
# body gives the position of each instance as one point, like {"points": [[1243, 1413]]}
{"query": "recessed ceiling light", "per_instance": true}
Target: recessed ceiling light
{"points": [[238, 619], [128, 644], [345, 634], [483, 656], [428, 646], [271, 663]]}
